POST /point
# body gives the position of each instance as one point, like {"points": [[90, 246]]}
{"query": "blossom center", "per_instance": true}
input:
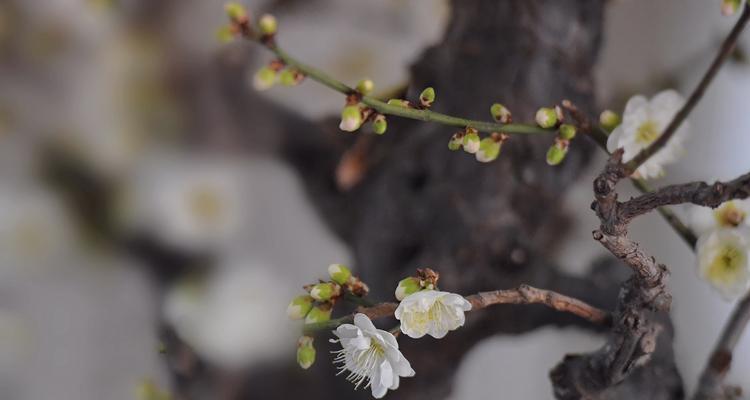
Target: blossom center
{"points": [[647, 132], [205, 205], [726, 264], [729, 215]]}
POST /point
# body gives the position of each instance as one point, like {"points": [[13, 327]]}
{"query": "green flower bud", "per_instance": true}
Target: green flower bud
{"points": [[609, 120], [264, 79], [500, 113], [147, 390], [235, 11], [319, 314], [567, 131], [729, 7], [379, 124], [299, 307], [556, 154], [267, 24], [398, 102], [305, 352], [457, 140], [351, 118], [325, 291], [471, 141], [225, 34], [546, 117], [365, 86], [489, 149], [406, 287], [427, 97], [339, 273], [290, 77]]}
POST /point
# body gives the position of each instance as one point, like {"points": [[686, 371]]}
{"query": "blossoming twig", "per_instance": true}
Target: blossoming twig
{"points": [[524, 294], [725, 52], [710, 384]]}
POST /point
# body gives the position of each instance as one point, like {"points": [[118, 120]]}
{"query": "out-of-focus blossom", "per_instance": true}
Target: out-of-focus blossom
{"points": [[723, 260], [372, 355], [233, 318], [642, 123], [731, 214]]}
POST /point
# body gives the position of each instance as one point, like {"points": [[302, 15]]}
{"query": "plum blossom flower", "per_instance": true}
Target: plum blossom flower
{"points": [[431, 312], [642, 123], [723, 260], [370, 354], [731, 214]]}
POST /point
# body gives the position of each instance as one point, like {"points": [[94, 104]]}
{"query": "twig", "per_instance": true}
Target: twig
{"points": [[710, 383], [524, 294], [727, 47]]}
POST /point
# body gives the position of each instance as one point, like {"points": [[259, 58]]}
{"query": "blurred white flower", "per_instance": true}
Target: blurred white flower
{"points": [[730, 214], [642, 123], [370, 354], [431, 312], [234, 318], [723, 260], [189, 201]]}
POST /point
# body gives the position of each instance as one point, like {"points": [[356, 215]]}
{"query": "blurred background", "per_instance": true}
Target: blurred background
{"points": [[113, 136]]}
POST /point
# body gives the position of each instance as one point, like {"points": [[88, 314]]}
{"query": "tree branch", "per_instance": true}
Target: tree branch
{"points": [[724, 53], [524, 294], [710, 383]]}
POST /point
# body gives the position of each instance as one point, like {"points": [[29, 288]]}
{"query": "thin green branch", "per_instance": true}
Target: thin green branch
{"points": [[727, 48], [412, 113]]}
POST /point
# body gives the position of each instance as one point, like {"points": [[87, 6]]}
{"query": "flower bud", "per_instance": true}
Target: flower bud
{"points": [[406, 287], [609, 120], [299, 307], [546, 117], [267, 25], [264, 79], [457, 140], [379, 124], [567, 131], [365, 86], [471, 141], [427, 97], [290, 77], [225, 34], [501, 114], [729, 7], [398, 102], [325, 291], [235, 11], [351, 118], [339, 273], [489, 149], [319, 314], [305, 352], [556, 154]]}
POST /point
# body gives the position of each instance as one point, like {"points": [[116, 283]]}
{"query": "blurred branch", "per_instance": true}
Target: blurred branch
{"points": [[710, 383]]}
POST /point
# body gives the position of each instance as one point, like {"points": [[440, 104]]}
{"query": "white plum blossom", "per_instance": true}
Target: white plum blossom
{"points": [[642, 123], [370, 354], [731, 214], [723, 260], [431, 312]]}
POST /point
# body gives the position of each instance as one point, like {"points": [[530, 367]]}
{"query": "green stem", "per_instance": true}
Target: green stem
{"points": [[412, 113]]}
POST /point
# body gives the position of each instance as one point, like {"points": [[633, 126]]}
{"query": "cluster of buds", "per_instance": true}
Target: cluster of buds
{"points": [[556, 154], [426, 279], [484, 149], [240, 24], [355, 114], [275, 72], [426, 98], [316, 306]]}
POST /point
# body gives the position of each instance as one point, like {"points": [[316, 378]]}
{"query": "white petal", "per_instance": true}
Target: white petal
{"points": [[701, 219], [347, 331], [363, 322], [613, 141], [664, 106]]}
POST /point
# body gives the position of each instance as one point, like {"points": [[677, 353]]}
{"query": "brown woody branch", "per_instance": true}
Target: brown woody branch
{"points": [[710, 383], [524, 294]]}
